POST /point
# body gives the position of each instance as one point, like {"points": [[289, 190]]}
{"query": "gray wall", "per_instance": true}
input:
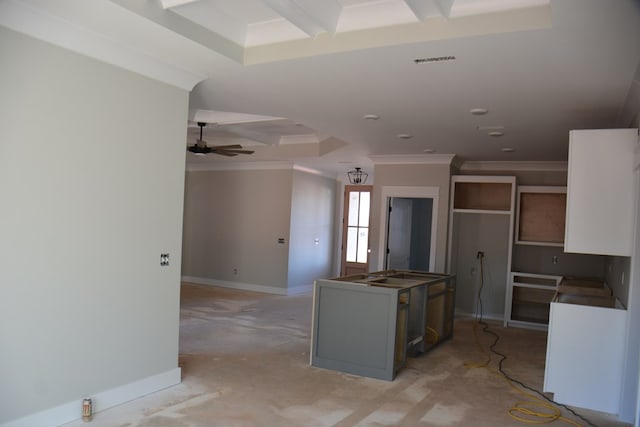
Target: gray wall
{"points": [[412, 175], [312, 207], [486, 233], [234, 218], [91, 180], [232, 222]]}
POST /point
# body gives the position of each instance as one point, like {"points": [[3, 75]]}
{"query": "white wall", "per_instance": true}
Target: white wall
{"points": [[91, 189], [233, 220], [311, 243], [630, 406]]}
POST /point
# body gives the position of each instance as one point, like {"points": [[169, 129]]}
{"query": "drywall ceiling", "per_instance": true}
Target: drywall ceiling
{"points": [[540, 68]]}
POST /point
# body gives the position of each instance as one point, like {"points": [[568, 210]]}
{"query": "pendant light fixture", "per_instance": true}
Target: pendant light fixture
{"points": [[357, 176]]}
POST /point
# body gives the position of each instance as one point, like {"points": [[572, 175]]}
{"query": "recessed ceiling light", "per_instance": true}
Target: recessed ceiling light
{"points": [[404, 136], [371, 117], [496, 133], [429, 150], [478, 111], [507, 150]]}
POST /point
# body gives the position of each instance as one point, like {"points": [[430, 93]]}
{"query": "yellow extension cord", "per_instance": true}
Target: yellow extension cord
{"points": [[527, 411]]}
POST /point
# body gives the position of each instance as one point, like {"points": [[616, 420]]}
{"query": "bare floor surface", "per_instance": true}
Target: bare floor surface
{"points": [[245, 362]]}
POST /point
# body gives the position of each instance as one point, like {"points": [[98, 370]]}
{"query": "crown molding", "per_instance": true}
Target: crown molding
{"points": [[239, 166], [413, 159], [554, 166], [83, 28], [256, 166]]}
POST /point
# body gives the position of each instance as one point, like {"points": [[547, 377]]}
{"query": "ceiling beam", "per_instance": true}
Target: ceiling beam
{"points": [[444, 6], [423, 9], [311, 16], [168, 4]]}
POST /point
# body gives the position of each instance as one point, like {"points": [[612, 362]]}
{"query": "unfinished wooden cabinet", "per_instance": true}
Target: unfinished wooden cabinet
{"points": [[600, 193], [528, 299], [482, 194], [540, 215]]}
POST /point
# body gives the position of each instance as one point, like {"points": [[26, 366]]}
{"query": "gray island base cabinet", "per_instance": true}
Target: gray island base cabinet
{"points": [[368, 324]]}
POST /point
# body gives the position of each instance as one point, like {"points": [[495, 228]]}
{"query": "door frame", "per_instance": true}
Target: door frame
{"points": [[387, 192], [343, 226]]}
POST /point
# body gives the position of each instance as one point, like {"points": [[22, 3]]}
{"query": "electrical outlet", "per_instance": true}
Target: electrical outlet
{"points": [[164, 260], [235, 271], [480, 254]]}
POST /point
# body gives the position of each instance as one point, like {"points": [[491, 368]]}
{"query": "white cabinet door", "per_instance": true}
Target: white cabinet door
{"points": [[585, 355], [600, 192]]}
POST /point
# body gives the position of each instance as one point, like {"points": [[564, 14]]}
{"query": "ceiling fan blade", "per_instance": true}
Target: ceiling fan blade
{"points": [[227, 147], [225, 153], [241, 151]]}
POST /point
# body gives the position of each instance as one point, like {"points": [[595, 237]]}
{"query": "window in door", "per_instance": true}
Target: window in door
{"points": [[355, 243]]}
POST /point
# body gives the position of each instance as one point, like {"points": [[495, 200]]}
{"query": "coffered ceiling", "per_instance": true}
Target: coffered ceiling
{"points": [[335, 82]]}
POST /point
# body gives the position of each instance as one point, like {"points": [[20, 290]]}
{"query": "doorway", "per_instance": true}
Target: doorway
{"points": [[409, 233]]}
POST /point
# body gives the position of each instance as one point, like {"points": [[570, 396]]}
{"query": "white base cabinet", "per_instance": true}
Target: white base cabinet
{"points": [[585, 354]]}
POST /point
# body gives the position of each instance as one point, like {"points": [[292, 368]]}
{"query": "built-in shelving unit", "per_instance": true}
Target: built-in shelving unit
{"points": [[481, 219], [540, 221]]}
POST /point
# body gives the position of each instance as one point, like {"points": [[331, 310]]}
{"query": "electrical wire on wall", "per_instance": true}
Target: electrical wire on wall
{"points": [[538, 409]]}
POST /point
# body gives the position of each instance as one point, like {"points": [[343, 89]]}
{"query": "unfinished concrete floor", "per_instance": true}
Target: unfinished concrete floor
{"points": [[245, 362]]}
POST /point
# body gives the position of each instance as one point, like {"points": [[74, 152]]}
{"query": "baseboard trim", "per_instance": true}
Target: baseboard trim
{"points": [[298, 290], [248, 286], [235, 285], [467, 315], [72, 411]]}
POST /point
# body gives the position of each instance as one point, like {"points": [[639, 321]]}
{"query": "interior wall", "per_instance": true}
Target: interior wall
{"points": [[475, 283], [311, 243], [630, 269], [411, 175], [232, 222], [91, 179], [554, 260]]}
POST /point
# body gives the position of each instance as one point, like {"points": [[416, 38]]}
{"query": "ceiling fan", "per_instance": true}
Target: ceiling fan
{"points": [[201, 147]]}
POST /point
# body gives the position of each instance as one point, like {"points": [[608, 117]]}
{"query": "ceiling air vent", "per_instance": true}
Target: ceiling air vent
{"points": [[434, 59]]}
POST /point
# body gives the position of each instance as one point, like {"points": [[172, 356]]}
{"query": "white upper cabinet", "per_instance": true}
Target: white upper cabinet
{"points": [[600, 192]]}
